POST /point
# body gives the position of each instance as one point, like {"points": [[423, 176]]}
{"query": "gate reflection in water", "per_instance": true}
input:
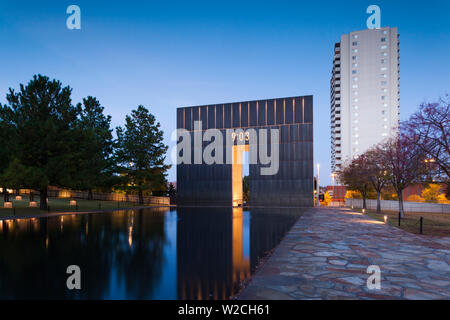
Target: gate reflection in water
{"points": [[190, 253]]}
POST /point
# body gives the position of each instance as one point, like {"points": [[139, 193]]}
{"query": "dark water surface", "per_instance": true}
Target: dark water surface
{"points": [[188, 253]]}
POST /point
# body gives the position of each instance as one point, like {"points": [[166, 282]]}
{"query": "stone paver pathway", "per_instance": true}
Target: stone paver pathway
{"points": [[327, 252]]}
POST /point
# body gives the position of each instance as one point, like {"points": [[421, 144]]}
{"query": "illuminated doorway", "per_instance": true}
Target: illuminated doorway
{"points": [[237, 174]]}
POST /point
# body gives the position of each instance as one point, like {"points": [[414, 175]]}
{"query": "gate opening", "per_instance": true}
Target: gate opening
{"points": [[240, 153]]}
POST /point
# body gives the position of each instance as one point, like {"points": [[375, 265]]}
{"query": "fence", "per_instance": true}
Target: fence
{"points": [[392, 205], [163, 201]]}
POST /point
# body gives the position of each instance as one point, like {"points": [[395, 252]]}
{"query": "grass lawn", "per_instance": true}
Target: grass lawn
{"points": [[60, 205], [434, 224]]}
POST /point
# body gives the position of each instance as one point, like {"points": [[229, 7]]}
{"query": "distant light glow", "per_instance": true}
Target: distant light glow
{"points": [[130, 236], [370, 221]]}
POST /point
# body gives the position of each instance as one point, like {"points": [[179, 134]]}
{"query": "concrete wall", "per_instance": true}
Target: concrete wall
{"points": [[392, 205]]}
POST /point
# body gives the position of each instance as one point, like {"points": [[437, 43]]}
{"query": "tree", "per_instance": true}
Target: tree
{"points": [[43, 118], [388, 192], [415, 198], [95, 146], [6, 148], [376, 173], [246, 188], [429, 130], [443, 199], [327, 199], [140, 152], [404, 163], [172, 190], [352, 194], [355, 177], [431, 193], [16, 176]]}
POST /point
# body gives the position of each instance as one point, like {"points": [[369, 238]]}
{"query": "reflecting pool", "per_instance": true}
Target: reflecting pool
{"points": [[187, 253]]}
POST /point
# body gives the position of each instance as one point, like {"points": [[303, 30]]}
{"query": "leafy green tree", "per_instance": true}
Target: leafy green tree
{"points": [[6, 148], [94, 162], [43, 120], [140, 153]]}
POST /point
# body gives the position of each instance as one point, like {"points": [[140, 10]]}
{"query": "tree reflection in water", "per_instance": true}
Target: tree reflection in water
{"points": [[191, 253]]}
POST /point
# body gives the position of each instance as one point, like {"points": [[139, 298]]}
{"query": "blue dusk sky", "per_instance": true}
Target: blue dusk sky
{"points": [[167, 54]]}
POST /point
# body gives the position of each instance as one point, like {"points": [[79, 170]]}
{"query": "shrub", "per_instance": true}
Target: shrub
{"points": [[327, 198], [431, 193], [443, 199], [415, 198], [351, 194]]}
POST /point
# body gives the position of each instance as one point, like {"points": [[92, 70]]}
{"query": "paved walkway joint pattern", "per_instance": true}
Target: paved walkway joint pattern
{"points": [[328, 251]]}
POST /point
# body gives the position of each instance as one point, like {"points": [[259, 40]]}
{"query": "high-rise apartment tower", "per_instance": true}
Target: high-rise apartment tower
{"points": [[365, 92]]}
